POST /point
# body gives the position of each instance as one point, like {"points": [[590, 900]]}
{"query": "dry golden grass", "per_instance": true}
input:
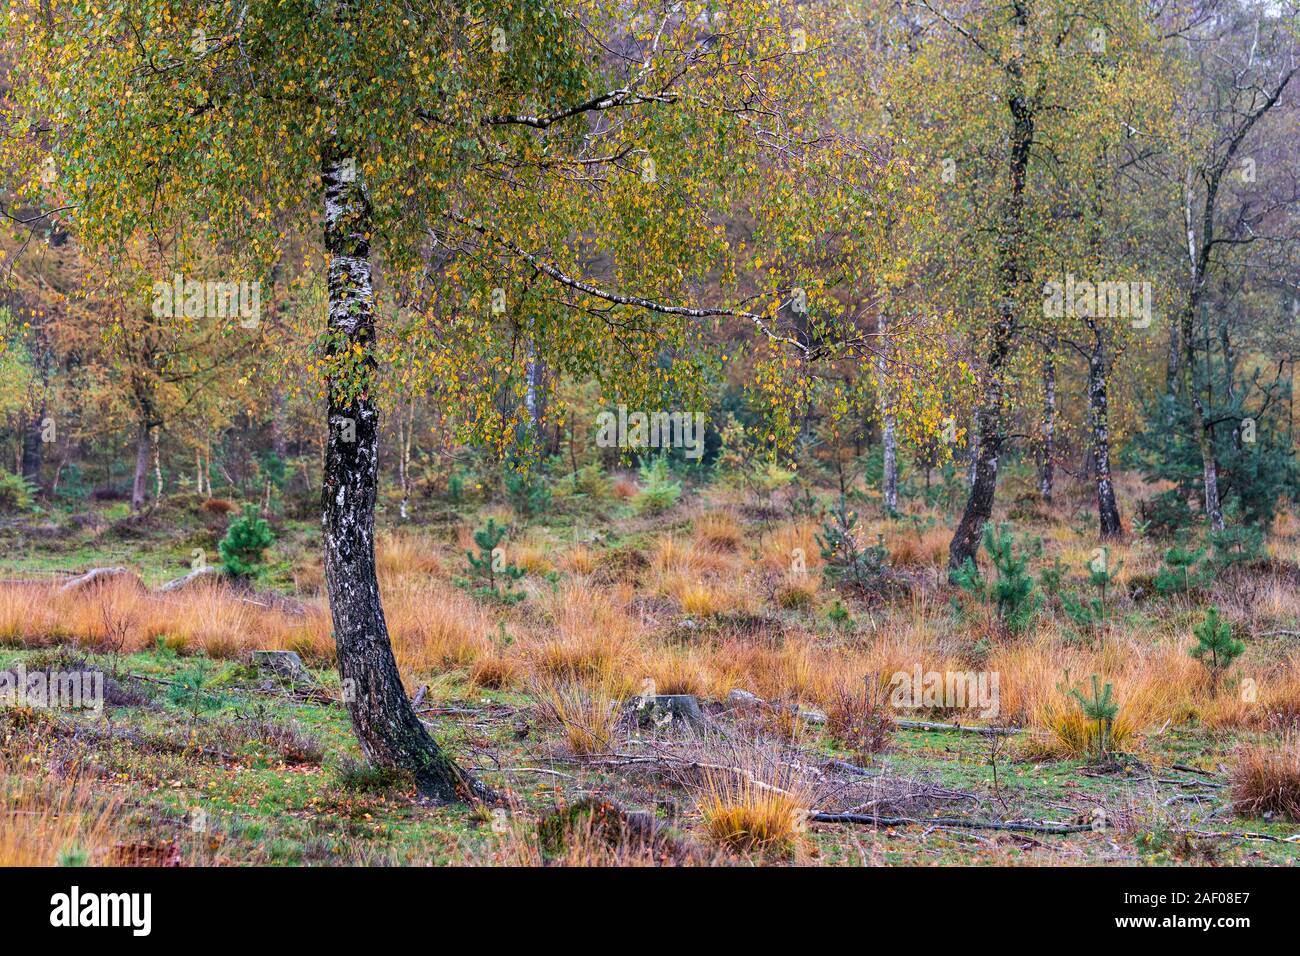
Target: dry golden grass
{"points": [[48, 822], [586, 631], [309, 577], [809, 670], [578, 655], [436, 627], [1068, 733], [1286, 525], [580, 560], [703, 581], [432, 626], [797, 591], [1267, 779], [679, 671], [588, 844], [703, 598], [749, 798], [1280, 697], [789, 543], [585, 712], [216, 619], [718, 530], [928, 549], [677, 556], [1274, 604], [589, 639], [604, 629], [746, 817], [625, 488], [534, 554], [210, 618], [1155, 680], [495, 670], [404, 552]]}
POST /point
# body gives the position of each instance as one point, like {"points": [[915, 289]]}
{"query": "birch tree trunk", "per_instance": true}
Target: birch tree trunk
{"points": [[888, 432], [974, 443], [1209, 466], [531, 402], [406, 428], [889, 440], [385, 723], [979, 504], [157, 468], [1199, 256], [1204, 428], [535, 372], [1047, 464], [33, 446], [139, 485], [1099, 417]]}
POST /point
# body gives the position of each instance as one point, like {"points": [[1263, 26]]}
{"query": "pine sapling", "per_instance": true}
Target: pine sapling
{"points": [[1101, 708], [1052, 577], [1102, 574], [1216, 648], [1239, 545], [1179, 574], [527, 493], [246, 539], [845, 559], [490, 561], [659, 491], [1014, 590]]}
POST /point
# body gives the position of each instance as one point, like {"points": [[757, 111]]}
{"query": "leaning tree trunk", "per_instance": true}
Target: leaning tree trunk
{"points": [[1099, 417], [979, 504], [385, 723]]}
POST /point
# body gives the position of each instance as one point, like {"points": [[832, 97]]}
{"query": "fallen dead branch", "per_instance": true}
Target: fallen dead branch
{"points": [[1241, 835], [868, 819], [541, 770], [1186, 769], [956, 728]]}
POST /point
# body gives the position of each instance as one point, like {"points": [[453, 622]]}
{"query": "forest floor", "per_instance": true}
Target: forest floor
{"points": [[198, 757]]}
